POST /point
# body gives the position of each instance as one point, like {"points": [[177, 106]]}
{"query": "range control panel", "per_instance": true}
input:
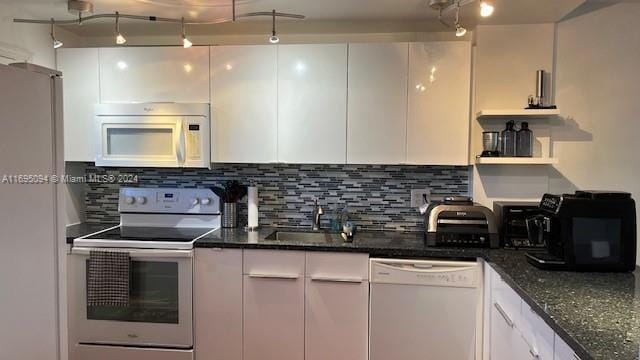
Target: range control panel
{"points": [[168, 201]]}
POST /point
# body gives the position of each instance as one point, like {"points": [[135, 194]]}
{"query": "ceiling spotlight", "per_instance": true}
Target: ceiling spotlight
{"points": [[460, 30], [56, 43], [119, 38], [185, 42], [486, 9], [274, 39]]}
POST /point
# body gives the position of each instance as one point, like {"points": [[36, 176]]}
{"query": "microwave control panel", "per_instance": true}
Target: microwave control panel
{"points": [[168, 201]]}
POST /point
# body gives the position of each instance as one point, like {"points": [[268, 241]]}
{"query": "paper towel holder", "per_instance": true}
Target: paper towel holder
{"points": [[252, 186]]}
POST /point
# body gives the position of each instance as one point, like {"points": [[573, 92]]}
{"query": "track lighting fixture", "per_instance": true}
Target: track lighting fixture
{"points": [[84, 8], [486, 9], [274, 39], [460, 30], [120, 40], [185, 42], [56, 43]]}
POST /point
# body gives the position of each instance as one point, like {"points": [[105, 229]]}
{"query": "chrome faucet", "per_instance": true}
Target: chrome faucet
{"points": [[317, 212]]}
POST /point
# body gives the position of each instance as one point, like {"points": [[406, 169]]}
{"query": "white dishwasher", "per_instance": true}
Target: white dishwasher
{"points": [[425, 310]]}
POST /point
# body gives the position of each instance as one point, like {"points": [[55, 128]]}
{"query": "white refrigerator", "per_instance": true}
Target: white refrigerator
{"points": [[31, 213]]}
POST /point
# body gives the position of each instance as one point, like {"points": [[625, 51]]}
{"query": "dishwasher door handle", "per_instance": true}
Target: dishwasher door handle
{"points": [[426, 268]]}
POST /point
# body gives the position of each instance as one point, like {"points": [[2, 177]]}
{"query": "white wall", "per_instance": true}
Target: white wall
{"points": [[598, 92], [506, 59], [33, 40]]}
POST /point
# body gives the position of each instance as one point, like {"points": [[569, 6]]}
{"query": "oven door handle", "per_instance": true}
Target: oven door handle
{"points": [[139, 253]]}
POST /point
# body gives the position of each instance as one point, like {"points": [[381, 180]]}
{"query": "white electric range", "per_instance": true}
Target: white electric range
{"points": [[158, 229]]}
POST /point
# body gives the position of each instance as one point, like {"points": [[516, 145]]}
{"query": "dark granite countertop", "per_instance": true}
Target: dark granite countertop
{"points": [[597, 314]]}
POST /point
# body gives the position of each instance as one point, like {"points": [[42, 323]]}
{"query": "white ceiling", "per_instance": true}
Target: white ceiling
{"points": [[353, 11]]}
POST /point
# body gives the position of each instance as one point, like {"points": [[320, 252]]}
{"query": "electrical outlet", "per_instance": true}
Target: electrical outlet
{"points": [[417, 196]]}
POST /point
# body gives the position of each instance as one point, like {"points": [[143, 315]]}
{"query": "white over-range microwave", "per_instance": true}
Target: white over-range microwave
{"points": [[153, 135]]}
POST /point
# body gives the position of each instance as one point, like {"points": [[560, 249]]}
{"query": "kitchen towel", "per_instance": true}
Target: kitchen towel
{"points": [[108, 278]]}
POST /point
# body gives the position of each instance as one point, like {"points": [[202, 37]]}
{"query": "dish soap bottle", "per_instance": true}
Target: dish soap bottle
{"points": [[524, 141], [509, 140]]}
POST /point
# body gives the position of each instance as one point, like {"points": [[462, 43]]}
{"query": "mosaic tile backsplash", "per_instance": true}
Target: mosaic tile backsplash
{"points": [[378, 196]]}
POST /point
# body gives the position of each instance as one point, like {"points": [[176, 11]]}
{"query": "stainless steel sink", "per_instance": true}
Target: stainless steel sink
{"points": [[304, 236]]}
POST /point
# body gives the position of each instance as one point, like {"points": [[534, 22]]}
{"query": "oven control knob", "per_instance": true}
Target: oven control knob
{"points": [[205, 201], [195, 201], [130, 200], [141, 200]]}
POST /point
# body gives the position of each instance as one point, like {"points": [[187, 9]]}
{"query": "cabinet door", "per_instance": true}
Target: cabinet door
{"points": [[273, 305], [218, 304], [377, 96], [439, 100], [80, 76], [273, 317], [336, 306], [537, 333], [312, 103], [243, 104], [506, 342], [154, 74], [562, 351]]}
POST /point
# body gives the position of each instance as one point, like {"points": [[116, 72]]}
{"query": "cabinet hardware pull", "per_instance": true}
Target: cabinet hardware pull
{"points": [[336, 280], [274, 276], [503, 314], [533, 354]]}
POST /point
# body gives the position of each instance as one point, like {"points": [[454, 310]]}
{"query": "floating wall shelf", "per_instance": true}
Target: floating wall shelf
{"points": [[504, 113], [515, 161]]}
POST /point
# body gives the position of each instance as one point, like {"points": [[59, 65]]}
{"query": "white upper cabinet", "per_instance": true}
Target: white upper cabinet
{"points": [[81, 92], [154, 74], [243, 103], [312, 103], [439, 101], [377, 115]]}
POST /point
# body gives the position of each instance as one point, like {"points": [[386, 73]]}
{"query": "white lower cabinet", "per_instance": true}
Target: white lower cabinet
{"points": [[537, 334], [562, 351], [507, 341], [516, 331], [273, 305], [218, 304], [336, 306]]}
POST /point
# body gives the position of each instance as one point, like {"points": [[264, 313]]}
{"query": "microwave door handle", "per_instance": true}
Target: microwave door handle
{"points": [[180, 146]]}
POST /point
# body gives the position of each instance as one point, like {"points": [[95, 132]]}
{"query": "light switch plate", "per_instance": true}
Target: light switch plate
{"points": [[417, 196]]}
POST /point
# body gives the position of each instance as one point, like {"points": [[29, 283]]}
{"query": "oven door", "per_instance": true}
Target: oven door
{"points": [[160, 313]]}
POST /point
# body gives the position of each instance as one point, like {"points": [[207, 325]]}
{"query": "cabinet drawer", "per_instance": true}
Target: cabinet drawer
{"points": [[97, 352], [562, 351], [274, 263], [504, 299], [337, 266], [536, 333]]}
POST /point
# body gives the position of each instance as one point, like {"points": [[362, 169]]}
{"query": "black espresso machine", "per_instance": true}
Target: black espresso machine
{"points": [[586, 231]]}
